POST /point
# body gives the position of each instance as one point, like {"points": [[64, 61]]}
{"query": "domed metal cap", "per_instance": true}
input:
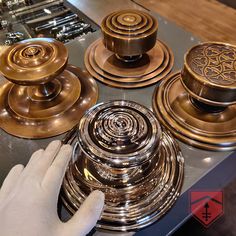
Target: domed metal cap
{"points": [[33, 61], [119, 134], [129, 32], [209, 73]]}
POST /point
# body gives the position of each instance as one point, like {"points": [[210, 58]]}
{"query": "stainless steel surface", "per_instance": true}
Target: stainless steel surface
{"points": [[97, 10], [122, 151], [198, 163], [26, 8], [41, 7]]}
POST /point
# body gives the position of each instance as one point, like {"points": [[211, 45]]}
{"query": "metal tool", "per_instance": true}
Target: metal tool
{"points": [[63, 35], [13, 37], [56, 22]]}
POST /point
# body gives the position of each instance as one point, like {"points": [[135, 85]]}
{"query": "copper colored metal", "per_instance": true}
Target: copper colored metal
{"points": [[129, 32], [45, 97], [127, 57], [198, 104], [120, 149], [209, 73]]}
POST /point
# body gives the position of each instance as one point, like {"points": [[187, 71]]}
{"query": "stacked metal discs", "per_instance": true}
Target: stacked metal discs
{"points": [[121, 151], [129, 56], [198, 105], [45, 97]]}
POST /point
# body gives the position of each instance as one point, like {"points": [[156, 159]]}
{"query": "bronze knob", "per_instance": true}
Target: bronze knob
{"points": [[129, 55], [120, 149], [44, 93], [209, 73], [129, 32], [198, 105]]}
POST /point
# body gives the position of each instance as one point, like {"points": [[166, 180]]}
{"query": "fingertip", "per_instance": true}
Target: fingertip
{"points": [[99, 195], [55, 144], [18, 167], [66, 148], [98, 199]]}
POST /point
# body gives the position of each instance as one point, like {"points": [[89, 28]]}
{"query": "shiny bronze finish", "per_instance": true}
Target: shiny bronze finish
{"points": [[129, 56], [121, 150], [209, 73], [129, 32], [198, 104], [45, 96]]}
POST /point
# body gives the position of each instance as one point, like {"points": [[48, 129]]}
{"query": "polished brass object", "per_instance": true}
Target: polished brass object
{"points": [[120, 149], [198, 105], [45, 97], [129, 55]]}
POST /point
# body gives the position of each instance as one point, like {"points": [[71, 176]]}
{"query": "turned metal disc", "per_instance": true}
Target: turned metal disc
{"points": [[141, 178], [196, 124], [119, 134], [209, 73], [129, 32], [33, 61], [147, 77], [109, 62], [25, 114]]}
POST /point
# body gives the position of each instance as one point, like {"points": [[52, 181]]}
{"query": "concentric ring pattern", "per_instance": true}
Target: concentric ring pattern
{"points": [[120, 150], [120, 134], [129, 55], [34, 61], [47, 97], [129, 32]]}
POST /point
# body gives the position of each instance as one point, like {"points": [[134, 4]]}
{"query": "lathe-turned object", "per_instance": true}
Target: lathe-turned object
{"points": [[129, 55], [198, 105], [45, 97], [120, 149]]}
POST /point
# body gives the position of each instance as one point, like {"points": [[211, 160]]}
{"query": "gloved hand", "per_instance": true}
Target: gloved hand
{"points": [[28, 198]]}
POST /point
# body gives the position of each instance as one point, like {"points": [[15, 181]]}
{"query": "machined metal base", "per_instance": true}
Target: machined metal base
{"points": [[121, 150], [148, 69], [201, 125], [29, 113]]}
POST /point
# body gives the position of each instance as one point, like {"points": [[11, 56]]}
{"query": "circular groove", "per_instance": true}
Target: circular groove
{"points": [[135, 196], [191, 124], [33, 61], [129, 81]]}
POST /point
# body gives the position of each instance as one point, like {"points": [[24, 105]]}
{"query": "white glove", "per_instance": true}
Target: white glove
{"points": [[28, 198]]}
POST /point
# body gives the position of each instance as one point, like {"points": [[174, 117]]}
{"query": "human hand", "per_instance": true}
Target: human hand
{"points": [[28, 198]]}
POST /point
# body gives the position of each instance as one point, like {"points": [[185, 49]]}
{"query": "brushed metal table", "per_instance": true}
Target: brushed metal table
{"points": [[203, 169]]}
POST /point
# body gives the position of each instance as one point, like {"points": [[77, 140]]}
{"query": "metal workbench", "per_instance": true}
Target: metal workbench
{"points": [[203, 169]]}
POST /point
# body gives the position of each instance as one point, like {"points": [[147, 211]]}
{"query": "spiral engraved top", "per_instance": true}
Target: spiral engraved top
{"points": [[119, 134], [33, 61], [129, 32], [214, 62]]}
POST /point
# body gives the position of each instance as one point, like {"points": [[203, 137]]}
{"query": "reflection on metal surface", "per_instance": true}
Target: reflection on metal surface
{"points": [[129, 56], [198, 104], [121, 150], [46, 97]]}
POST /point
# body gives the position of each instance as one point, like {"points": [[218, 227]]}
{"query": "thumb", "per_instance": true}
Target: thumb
{"points": [[87, 215]]}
